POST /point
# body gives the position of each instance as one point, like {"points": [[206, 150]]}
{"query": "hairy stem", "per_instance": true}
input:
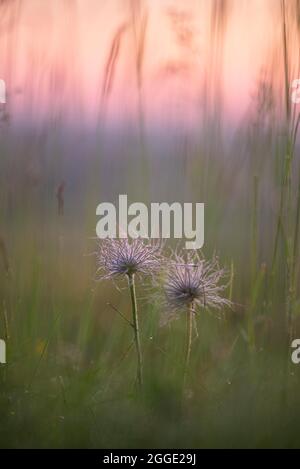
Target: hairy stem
{"points": [[188, 343], [137, 340]]}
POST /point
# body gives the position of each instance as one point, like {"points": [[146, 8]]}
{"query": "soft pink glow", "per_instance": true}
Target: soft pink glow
{"points": [[53, 58]]}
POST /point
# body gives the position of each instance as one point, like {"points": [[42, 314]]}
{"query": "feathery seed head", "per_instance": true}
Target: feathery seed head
{"points": [[191, 280], [117, 257]]}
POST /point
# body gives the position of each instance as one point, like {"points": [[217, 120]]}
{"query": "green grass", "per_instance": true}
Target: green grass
{"points": [[69, 380], [70, 376]]}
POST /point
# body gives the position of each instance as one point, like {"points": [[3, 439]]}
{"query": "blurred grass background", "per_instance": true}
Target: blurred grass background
{"points": [[69, 377]]}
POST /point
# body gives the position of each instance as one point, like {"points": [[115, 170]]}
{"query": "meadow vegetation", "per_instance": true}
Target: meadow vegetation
{"points": [[70, 377]]}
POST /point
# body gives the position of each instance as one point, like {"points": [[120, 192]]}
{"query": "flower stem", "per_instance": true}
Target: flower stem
{"points": [[188, 343], [137, 340]]}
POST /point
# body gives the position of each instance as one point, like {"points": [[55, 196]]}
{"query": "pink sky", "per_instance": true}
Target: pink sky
{"points": [[53, 58]]}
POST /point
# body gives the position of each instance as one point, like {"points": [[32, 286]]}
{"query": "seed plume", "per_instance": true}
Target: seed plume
{"points": [[193, 280], [117, 257]]}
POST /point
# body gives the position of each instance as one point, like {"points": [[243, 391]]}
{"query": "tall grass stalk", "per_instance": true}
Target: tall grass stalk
{"points": [[296, 236], [5, 320], [137, 340], [231, 280], [4, 255], [285, 220], [139, 22], [188, 343], [255, 278]]}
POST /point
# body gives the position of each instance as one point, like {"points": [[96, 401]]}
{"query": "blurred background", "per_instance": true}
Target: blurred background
{"points": [[163, 100]]}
